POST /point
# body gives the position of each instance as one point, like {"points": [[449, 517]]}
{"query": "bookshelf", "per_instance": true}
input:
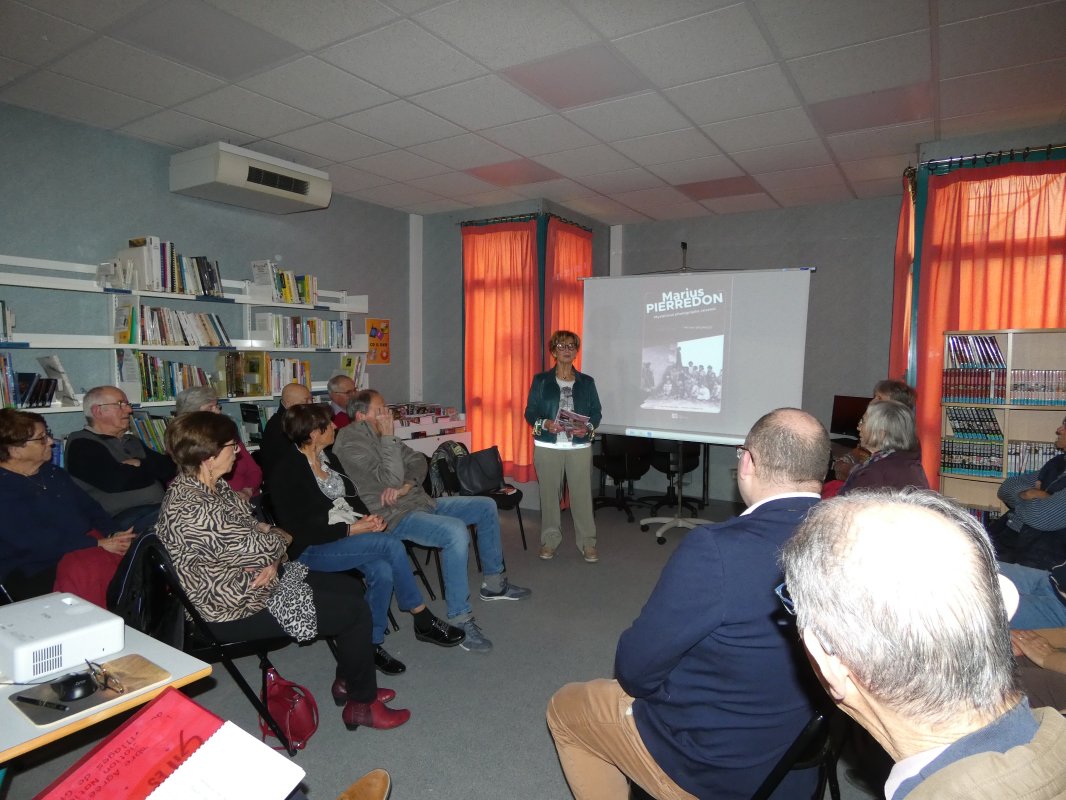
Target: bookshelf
{"points": [[1003, 394], [62, 308]]}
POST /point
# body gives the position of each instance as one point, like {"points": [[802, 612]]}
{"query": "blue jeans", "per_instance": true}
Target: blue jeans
{"points": [[445, 528], [383, 561], [1039, 605]]}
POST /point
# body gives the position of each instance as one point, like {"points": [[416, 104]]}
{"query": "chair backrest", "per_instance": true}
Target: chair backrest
{"points": [[626, 457], [142, 595], [665, 456], [813, 747]]}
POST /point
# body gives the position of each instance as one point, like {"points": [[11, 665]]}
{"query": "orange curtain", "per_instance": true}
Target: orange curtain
{"points": [[992, 257], [903, 283], [502, 338], [568, 260]]}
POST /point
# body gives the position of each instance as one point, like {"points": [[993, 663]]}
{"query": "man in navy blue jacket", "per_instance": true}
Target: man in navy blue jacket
{"points": [[711, 685]]}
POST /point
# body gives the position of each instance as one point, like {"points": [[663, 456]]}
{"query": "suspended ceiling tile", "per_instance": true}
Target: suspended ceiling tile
{"points": [[184, 132], [514, 173], [871, 67], [741, 94], [659, 148], [115, 65], [874, 109], [9, 70], [812, 195], [623, 181], [484, 102], [645, 199], [718, 43], [205, 38], [332, 141], [560, 190], [739, 204], [1025, 36], [349, 179], [957, 10], [436, 207], [883, 187], [604, 209], [615, 18], [29, 36], [395, 194], [534, 137], [686, 210], [628, 117], [724, 187], [783, 156], [1005, 88], [310, 26], [708, 168], [316, 87], [71, 99], [875, 169], [247, 111], [1002, 119], [463, 152], [494, 197], [504, 34], [96, 15], [400, 124], [589, 74], [887, 141], [399, 165], [583, 161], [403, 59], [811, 26], [452, 184], [801, 178], [762, 130], [271, 148]]}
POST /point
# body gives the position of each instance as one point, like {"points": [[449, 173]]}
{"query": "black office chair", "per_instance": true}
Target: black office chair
{"points": [[625, 459], [201, 643], [665, 460], [507, 498]]}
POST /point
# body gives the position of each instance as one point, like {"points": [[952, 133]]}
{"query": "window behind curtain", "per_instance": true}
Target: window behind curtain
{"points": [[568, 260], [502, 338]]}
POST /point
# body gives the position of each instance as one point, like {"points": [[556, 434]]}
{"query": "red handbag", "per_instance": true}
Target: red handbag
{"points": [[294, 708]]}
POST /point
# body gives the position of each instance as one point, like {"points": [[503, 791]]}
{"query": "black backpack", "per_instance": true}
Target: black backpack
{"points": [[138, 594]]}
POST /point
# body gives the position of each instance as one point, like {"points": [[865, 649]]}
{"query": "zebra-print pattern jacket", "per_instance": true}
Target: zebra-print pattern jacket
{"points": [[217, 548]]}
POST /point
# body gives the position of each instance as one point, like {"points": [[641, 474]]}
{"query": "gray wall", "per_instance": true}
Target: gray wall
{"points": [[76, 193]]}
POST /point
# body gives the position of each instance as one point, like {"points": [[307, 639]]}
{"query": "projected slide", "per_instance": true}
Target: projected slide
{"points": [[697, 356]]}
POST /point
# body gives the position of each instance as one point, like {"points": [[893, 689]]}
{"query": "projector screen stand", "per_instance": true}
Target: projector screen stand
{"points": [[679, 520]]}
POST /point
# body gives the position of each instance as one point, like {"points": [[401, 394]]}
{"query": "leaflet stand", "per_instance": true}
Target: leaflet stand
{"points": [[679, 520]]}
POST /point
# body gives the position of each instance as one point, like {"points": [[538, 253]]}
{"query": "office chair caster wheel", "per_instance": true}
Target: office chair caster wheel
{"points": [[643, 528], [660, 540]]}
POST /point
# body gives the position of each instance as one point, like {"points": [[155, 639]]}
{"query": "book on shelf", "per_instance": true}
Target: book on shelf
{"points": [[150, 429], [254, 420], [8, 382], [1028, 456], [284, 371], [150, 264], [243, 374], [973, 423], [146, 377], [965, 457], [171, 327], [25, 383], [64, 389], [1038, 387], [968, 351], [352, 365], [284, 285]]}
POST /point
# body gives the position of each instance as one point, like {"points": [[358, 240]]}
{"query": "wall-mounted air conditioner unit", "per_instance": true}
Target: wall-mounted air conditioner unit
{"points": [[228, 174]]}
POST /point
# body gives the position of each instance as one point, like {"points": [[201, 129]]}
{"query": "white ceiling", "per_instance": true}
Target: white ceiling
{"points": [[623, 110]]}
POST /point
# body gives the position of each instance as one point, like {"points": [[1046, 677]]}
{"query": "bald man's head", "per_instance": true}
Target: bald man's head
{"points": [[295, 394], [902, 588]]}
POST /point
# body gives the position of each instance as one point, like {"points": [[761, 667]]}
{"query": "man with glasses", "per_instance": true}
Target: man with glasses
{"points": [[113, 465], [917, 654], [711, 687], [341, 389]]}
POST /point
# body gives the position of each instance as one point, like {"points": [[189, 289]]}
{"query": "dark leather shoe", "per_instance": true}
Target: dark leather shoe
{"points": [[373, 715], [339, 690], [386, 663], [440, 632]]}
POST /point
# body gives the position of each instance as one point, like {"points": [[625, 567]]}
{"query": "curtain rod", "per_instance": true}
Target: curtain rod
{"points": [[524, 218], [991, 157]]}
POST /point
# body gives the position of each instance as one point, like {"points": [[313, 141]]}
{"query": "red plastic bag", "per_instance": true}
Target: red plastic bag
{"points": [[294, 708]]}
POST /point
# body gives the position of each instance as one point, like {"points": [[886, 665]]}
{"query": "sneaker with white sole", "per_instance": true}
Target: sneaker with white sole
{"points": [[590, 555], [547, 553], [475, 640], [508, 592]]}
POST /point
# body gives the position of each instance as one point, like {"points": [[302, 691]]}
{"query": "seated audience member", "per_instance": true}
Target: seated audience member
{"points": [[883, 390], [1041, 657], [1041, 602], [246, 477], [234, 569], [389, 475], [332, 531], [1033, 532], [341, 389], [710, 688], [48, 518], [113, 465], [275, 443], [917, 654], [887, 432]]}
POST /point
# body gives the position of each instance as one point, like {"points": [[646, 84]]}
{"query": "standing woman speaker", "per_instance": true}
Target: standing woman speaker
{"points": [[561, 452]]}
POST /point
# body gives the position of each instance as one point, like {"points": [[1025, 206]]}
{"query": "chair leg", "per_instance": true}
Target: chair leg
{"points": [[392, 621], [257, 702], [521, 527], [418, 571], [473, 541], [440, 574]]}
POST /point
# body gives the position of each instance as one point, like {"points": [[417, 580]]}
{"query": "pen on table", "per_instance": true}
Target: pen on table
{"points": [[33, 701]]}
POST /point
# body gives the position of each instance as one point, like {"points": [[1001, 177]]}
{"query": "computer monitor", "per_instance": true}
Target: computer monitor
{"points": [[847, 411]]}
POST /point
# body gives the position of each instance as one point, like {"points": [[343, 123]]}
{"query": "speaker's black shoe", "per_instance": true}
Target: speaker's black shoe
{"points": [[386, 663], [440, 632]]}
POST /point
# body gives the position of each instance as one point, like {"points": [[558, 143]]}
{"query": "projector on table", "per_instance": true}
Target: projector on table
{"points": [[54, 632]]}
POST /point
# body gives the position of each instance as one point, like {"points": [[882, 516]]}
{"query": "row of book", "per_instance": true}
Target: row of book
{"points": [[973, 385], [167, 327], [31, 390], [150, 264], [285, 285], [986, 516], [150, 429], [973, 423], [284, 371], [243, 374], [148, 378], [961, 457], [1026, 456], [974, 350], [1038, 387], [311, 332]]}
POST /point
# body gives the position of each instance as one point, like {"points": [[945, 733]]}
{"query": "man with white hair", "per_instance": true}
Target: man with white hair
{"points": [[917, 654]]}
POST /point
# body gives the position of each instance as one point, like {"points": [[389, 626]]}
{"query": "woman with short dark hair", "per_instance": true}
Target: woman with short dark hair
{"points": [[234, 570]]}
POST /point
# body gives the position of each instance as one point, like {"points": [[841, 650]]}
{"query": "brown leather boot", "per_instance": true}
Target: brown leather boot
{"points": [[375, 785], [373, 715], [339, 690]]}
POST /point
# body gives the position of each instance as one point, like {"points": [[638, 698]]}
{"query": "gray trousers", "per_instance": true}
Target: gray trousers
{"points": [[575, 466]]}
